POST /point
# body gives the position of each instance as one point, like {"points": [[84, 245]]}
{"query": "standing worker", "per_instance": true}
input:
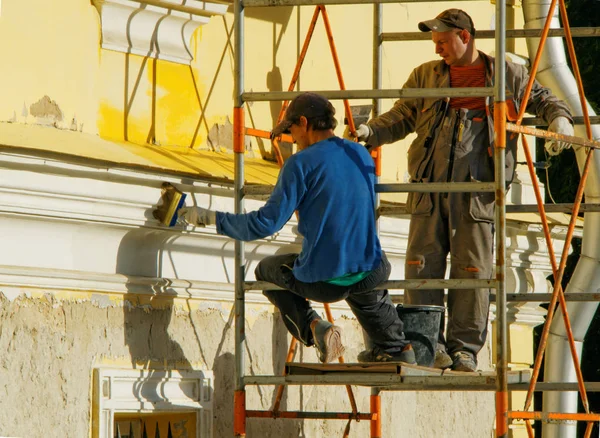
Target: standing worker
{"points": [[455, 141], [330, 182]]}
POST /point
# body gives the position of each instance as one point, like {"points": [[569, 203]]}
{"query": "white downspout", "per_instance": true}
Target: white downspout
{"points": [[554, 73]]}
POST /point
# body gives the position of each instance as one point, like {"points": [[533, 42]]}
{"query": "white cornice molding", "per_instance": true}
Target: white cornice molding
{"points": [[94, 229], [152, 31]]}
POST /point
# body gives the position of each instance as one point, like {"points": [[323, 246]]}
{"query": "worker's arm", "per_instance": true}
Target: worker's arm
{"points": [[544, 104], [541, 101], [398, 122], [271, 217]]}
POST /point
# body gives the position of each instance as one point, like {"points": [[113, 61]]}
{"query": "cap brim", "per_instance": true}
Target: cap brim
{"points": [[434, 25], [282, 128]]}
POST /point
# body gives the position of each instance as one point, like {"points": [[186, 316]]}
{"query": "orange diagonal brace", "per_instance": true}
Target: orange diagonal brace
{"points": [[296, 74], [338, 68], [294, 80], [280, 388], [558, 272]]}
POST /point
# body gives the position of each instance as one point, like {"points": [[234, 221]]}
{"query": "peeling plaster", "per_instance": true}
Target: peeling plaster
{"points": [[46, 111]]}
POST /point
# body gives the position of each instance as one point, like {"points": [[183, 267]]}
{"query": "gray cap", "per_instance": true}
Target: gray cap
{"points": [[309, 105], [448, 20]]}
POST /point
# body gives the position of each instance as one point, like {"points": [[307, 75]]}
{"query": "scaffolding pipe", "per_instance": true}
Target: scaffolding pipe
{"points": [[454, 283], [491, 34], [265, 96], [375, 399], [239, 135], [452, 187], [500, 222], [261, 3], [515, 209], [555, 73]]}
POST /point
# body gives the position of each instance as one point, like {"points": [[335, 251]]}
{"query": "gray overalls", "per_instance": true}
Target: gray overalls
{"points": [[452, 226], [459, 224]]}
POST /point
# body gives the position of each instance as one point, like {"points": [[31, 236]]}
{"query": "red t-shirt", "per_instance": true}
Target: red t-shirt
{"points": [[468, 76]]}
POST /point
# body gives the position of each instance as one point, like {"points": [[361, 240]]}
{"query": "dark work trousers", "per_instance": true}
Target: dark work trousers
{"points": [[373, 309], [458, 224]]}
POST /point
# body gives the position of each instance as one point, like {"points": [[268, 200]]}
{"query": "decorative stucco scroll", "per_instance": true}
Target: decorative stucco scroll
{"points": [[155, 30]]}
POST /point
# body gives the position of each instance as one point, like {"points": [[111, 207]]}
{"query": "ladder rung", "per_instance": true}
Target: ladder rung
{"points": [[525, 208], [490, 34], [528, 297], [311, 415], [262, 96], [400, 377], [555, 417], [261, 3], [512, 127], [396, 382], [450, 187], [544, 298], [460, 283]]}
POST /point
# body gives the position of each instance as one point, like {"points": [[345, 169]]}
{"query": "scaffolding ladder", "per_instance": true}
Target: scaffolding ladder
{"points": [[405, 378]]}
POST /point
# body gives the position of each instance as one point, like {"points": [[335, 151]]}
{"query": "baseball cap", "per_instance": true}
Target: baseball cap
{"points": [[448, 20], [309, 105]]}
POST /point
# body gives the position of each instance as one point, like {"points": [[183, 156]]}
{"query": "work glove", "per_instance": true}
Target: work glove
{"points": [[197, 216], [362, 133], [560, 125]]}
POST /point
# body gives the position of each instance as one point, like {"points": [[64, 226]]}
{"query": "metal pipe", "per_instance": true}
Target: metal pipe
{"points": [[239, 422], [397, 382], [453, 187], [311, 415], [500, 222], [260, 3], [181, 8], [515, 209], [456, 283], [548, 135], [555, 74], [375, 399], [261, 96], [491, 34]]}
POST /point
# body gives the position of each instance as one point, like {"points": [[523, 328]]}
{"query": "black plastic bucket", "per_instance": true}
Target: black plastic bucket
{"points": [[422, 328]]}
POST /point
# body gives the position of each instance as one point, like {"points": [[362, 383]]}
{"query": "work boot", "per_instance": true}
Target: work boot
{"points": [[442, 359], [464, 361], [328, 340], [376, 354]]}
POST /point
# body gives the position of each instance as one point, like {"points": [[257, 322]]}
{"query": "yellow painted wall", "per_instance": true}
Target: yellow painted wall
{"points": [[50, 48], [55, 52]]}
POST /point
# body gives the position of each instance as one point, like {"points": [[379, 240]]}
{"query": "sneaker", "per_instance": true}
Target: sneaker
{"points": [[376, 354], [464, 361], [328, 340], [442, 359]]}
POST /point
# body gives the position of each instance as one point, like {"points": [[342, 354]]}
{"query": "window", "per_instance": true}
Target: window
{"points": [[152, 403]]}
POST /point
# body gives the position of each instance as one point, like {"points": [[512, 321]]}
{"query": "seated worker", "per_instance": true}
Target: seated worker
{"points": [[330, 182]]}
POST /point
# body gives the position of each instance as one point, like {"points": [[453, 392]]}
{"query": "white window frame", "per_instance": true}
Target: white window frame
{"points": [[127, 391]]}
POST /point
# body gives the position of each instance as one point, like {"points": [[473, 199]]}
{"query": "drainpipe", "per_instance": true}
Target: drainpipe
{"points": [[554, 73]]}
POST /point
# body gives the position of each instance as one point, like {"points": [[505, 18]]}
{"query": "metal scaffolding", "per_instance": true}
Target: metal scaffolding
{"points": [[396, 377]]}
